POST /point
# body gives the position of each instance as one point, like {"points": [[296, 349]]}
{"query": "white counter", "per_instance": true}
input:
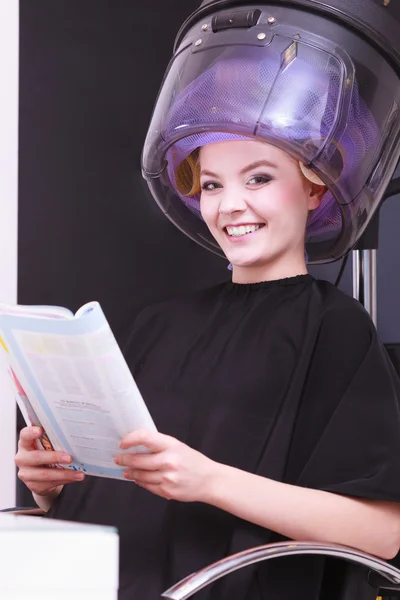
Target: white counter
{"points": [[44, 559]]}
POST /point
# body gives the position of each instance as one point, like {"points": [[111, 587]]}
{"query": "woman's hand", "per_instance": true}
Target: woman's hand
{"points": [[34, 465], [172, 470]]}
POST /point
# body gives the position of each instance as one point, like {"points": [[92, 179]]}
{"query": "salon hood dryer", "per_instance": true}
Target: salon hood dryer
{"points": [[320, 79]]}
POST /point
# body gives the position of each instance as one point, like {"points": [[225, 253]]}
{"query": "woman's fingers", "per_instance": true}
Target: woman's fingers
{"points": [[140, 476], [49, 476], [153, 440], [41, 457], [148, 462], [46, 481], [36, 467], [29, 455], [28, 436]]}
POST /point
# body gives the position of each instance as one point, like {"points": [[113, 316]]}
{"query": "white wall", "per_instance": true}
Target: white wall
{"points": [[9, 46]]}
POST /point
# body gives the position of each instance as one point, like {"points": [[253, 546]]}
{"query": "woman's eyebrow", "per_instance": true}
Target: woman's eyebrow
{"points": [[208, 173], [253, 165], [258, 163]]}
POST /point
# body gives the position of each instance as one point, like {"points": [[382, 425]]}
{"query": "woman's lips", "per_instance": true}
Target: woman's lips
{"points": [[236, 233]]}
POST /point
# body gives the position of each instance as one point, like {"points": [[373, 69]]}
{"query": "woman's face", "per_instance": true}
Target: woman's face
{"points": [[255, 201]]}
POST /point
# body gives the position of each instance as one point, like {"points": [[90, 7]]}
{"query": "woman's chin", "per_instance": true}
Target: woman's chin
{"points": [[242, 260]]}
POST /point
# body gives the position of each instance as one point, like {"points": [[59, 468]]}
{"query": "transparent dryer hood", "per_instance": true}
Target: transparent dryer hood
{"points": [[319, 80]]}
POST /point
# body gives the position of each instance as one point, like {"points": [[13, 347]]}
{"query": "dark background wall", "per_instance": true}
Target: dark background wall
{"points": [[89, 74], [388, 272]]}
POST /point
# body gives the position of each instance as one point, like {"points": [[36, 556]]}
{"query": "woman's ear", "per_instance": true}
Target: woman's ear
{"points": [[315, 195], [315, 187]]}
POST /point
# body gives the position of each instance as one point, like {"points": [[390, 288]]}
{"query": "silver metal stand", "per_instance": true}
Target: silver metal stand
{"points": [[364, 280], [364, 261]]}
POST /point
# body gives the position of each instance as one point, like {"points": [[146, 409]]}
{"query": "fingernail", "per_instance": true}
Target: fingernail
{"points": [[66, 458], [37, 430], [116, 460], [79, 476]]}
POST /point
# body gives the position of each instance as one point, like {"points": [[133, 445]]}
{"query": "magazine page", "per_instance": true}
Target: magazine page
{"points": [[48, 312], [71, 376]]}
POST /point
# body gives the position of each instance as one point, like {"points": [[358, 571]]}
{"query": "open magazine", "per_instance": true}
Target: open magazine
{"points": [[70, 378]]}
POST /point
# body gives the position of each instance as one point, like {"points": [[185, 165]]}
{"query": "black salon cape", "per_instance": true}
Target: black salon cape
{"points": [[286, 379]]}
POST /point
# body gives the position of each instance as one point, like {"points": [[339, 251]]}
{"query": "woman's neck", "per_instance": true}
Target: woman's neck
{"points": [[269, 272]]}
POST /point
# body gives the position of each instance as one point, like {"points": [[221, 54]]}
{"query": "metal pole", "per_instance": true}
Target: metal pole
{"points": [[364, 280]]}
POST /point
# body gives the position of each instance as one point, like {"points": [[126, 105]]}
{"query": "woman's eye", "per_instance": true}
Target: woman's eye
{"points": [[259, 179], [210, 186]]}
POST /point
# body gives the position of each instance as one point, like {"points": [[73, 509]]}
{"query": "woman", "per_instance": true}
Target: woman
{"points": [[263, 445], [276, 405]]}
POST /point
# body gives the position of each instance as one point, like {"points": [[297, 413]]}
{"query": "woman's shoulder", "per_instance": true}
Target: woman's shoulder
{"points": [[183, 304], [181, 312], [334, 303], [325, 296], [325, 302]]}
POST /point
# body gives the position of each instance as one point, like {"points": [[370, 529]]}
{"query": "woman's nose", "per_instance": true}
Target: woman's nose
{"points": [[232, 201]]}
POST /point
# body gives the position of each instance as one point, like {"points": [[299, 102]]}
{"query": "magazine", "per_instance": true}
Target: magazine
{"points": [[70, 378]]}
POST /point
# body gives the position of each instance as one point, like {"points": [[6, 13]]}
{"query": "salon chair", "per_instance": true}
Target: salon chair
{"points": [[372, 578], [375, 580]]}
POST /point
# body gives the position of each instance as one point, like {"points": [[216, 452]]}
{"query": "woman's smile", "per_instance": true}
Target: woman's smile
{"points": [[242, 231]]}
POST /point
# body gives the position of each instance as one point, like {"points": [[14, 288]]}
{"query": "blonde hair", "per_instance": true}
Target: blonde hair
{"points": [[187, 175]]}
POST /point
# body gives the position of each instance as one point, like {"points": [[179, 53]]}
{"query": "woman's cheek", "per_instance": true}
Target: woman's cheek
{"points": [[288, 195], [292, 202], [208, 214]]}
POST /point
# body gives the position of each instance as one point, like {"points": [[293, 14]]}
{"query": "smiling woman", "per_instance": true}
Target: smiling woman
{"points": [[276, 406], [255, 199]]}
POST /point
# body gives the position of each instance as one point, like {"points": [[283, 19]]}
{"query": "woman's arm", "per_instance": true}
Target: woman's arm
{"points": [[175, 471], [46, 502], [306, 514]]}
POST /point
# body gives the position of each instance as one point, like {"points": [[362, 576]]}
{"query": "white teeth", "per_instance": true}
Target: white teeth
{"points": [[242, 230]]}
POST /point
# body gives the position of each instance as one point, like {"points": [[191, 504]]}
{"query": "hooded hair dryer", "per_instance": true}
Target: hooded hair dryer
{"points": [[318, 79]]}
